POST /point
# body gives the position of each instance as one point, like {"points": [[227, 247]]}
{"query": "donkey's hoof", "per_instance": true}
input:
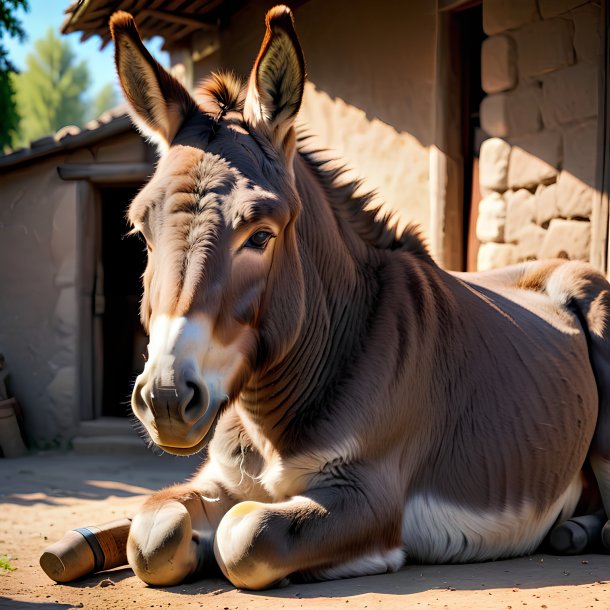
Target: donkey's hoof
{"points": [[160, 548], [568, 538], [606, 536]]}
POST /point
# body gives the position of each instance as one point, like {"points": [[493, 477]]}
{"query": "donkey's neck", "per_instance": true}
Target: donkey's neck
{"points": [[341, 283]]}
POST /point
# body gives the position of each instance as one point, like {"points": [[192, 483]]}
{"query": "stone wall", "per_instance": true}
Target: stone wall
{"points": [[539, 69]]}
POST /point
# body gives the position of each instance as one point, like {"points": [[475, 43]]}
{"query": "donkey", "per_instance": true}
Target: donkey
{"points": [[357, 404]]}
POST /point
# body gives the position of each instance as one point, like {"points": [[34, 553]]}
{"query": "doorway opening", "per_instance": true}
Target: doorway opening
{"points": [[121, 263], [468, 39]]}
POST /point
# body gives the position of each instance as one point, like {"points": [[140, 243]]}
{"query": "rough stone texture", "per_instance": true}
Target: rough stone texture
{"points": [[493, 165], [546, 203], [580, 151], [552, 8], [574, 197], [491, 218], [544, 46], [498, 64], [567, 239], [61, 391], [492, 256], [500, 15], [529, 242], [493, 115], [575, 185], [534, 160], [520, 211], [570, 95], [66, 311], [587, 32], [523, 110]]}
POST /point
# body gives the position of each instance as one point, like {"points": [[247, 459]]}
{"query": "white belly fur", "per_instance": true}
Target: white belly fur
{"points": [[435, 531]]}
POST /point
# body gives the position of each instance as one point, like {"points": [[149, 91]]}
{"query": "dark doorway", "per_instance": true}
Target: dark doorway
{"points": [[123, 259], [469, 36]]}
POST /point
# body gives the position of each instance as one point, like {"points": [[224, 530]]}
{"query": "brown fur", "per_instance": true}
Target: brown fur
{"points": [[357, 401]]}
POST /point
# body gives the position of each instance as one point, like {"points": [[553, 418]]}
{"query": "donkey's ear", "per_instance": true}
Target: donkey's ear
{"points": [[276, 83], [158, 102]]}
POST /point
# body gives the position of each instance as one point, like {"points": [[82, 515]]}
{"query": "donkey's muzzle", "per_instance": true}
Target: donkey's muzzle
{"points": [[175, 409]]}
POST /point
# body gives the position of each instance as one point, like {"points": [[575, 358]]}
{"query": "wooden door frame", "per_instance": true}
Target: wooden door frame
{"points": [[600, 253]]}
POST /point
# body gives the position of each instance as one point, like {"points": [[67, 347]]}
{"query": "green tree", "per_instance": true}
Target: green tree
{"points": [[105, 99], [51, 90], [10, 25]]}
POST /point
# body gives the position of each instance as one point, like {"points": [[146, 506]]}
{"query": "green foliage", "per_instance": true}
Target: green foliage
{"points": [[5, 564], [105, 99], [11, 26], [50, 92]]}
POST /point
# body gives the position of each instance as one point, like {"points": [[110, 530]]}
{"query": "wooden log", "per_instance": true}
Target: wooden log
{"points": [[86, 550]]}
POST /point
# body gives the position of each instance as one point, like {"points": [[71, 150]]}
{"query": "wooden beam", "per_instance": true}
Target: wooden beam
{"points": [[176, 18], [106, 173]]}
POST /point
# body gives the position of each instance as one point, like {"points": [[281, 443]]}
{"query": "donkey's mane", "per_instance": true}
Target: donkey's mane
{"points": [[224, 92], [360, 209]]}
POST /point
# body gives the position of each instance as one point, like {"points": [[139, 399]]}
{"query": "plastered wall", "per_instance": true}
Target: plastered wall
{"points": [[370, 91], [46, 229]]}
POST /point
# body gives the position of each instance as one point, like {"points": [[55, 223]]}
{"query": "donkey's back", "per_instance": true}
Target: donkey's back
{"points": [[523, 369]]}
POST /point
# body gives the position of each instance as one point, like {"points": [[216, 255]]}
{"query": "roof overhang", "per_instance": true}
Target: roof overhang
{"points": [[173, 21]]}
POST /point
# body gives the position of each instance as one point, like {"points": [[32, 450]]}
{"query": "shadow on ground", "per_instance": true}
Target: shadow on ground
{"points": [[68, 475]]}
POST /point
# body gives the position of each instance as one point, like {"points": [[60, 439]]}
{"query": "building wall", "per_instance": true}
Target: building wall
{"points": [[39, 308], [540, 70], [46, 229], [371, 87]]}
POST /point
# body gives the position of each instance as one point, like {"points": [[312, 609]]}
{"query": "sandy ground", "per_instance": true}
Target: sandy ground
{"points": [[44, 495]]}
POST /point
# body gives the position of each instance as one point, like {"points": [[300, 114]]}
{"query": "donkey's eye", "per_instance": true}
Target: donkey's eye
{"points": [[258, 240]]}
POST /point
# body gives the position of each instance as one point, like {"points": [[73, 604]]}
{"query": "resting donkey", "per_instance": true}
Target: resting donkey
{"points": [[357, 403]]}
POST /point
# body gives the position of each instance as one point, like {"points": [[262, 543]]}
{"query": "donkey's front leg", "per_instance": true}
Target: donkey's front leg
{"points": [[171, 537], [328, 533]]}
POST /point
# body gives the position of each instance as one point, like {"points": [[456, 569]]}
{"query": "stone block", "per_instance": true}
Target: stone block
{"points": [[552, 8], [574, 197], [567, 239], [570, 95], [493, 256], [493, 165], [534, 160], [493, 115], [546, 204], [529, 242], [580, 151], [500, 15], [575, 185], [587, 32], [498, 64], [491, 218], [523, 110], [520, 211], [544, 47]]}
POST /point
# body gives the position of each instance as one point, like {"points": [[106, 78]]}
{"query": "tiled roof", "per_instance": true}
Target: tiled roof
{"points": [[111, 122]]}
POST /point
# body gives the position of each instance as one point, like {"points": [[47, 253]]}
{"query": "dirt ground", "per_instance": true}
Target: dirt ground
{"points": [[42, 496]]}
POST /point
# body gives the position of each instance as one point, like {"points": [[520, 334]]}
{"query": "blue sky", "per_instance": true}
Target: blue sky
{"points": [[50, 13]]}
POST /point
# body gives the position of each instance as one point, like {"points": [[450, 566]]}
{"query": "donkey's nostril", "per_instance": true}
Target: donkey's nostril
{"points": [[197, 404]]}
